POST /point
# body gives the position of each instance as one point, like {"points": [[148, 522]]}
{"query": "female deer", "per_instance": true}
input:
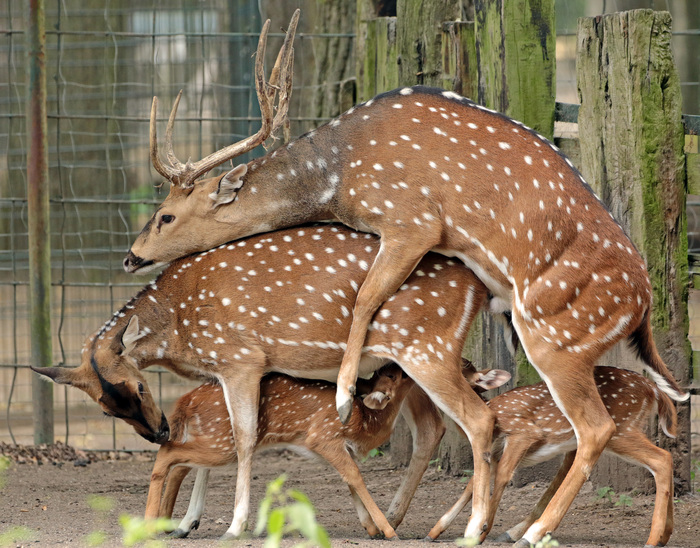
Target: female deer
{"points": [[282, 302]]}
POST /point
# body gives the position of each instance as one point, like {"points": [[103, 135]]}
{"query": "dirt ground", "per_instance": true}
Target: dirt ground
{"points": [[51, 499]]}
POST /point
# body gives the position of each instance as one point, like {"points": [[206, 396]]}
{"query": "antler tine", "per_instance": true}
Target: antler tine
{"points": [[266, 108], [187, 174], [282, 118], [161, 168], [177, 166], [284, 65]]}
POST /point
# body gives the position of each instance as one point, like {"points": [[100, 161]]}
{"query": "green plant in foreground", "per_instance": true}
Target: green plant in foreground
{"points": [[624, 500], [4, 465], [284, 511], [15, 535], [546, 542], [136, 530], [605, 493]]}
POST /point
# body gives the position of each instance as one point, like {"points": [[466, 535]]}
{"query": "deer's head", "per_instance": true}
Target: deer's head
{"points": [[183, 222], [110, 376]]}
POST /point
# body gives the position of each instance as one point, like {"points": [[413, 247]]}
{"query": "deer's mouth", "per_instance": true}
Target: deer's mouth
{"points": [[133, 264]]}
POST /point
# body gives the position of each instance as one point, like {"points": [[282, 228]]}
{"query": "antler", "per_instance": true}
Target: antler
{"points": [[184, 175]]}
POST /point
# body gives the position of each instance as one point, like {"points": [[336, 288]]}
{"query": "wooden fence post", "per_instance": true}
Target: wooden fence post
{"points": [[632, 142]]}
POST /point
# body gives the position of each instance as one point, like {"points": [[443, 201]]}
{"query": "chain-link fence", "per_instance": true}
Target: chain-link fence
{"points": [[106, 59]]}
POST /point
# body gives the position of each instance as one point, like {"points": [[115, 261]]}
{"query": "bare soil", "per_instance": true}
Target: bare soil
{"points": [[50, 499]]}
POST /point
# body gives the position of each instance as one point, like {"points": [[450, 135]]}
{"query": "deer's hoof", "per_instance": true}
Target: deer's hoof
{"points": [[179, 533], [428, 538], [522, 543], [344, 411], [395, 537], [504, 537]]}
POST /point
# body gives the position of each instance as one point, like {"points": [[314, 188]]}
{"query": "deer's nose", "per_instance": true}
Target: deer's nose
{"points": [[132, 262]]}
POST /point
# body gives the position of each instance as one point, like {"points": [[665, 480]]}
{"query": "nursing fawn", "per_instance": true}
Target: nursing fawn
{"points": [[293, 412]]}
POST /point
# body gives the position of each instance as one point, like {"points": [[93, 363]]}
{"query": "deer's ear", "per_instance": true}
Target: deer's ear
{"points": [[488, 379], [131, 335], [229, 185], [59, 375], [376, 400]]}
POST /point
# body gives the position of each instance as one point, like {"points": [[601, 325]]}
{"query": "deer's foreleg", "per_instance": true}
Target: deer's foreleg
{"points": [[242, 393], [450, 391], [517, 531], [393, 264], [341, 460]]}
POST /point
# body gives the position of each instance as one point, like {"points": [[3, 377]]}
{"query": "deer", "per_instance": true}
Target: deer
{"points": [[294, 413], [281, 302], [531, 429], [426, 169]]}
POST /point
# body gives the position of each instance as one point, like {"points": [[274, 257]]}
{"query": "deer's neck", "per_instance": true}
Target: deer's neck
{"points": [[295, 184]]}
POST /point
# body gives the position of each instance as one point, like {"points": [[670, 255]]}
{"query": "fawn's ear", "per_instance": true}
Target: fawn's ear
{"points": [[488, 379], [376, 400], [229, 185], [130, 335]]}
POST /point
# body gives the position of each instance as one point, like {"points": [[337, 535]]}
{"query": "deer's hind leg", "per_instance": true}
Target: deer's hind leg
{"points": [[635, 446], [569, 377]]}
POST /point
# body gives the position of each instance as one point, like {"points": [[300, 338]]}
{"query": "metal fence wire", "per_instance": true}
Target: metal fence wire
{"points": [[106, 59]]}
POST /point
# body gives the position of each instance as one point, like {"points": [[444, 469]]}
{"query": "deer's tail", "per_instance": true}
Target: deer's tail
{"points": [[642, 342], [668, 421]]}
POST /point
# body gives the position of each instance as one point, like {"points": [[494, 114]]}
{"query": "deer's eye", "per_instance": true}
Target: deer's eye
{"points": [[141, 389], [166, 219]]}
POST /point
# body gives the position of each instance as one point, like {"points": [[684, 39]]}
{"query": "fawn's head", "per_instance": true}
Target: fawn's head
{"points": [[109, 375]]}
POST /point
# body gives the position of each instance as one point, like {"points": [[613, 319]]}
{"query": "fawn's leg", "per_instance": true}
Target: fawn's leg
{"points": [[337, 455], [450, 391], [427, 429], [635, 446], [517, 531], [172, 489], [448, 517], [196, 507], [516, 447], [393, 264], [161, 468]]}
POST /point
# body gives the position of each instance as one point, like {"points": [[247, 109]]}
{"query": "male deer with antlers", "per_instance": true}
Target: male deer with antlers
{"points": [[293, 412], [426, 169], [281, 302], [530, 429]]}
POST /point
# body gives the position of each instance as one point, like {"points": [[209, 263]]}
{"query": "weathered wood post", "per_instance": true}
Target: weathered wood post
{"points": [[632, 142]]}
